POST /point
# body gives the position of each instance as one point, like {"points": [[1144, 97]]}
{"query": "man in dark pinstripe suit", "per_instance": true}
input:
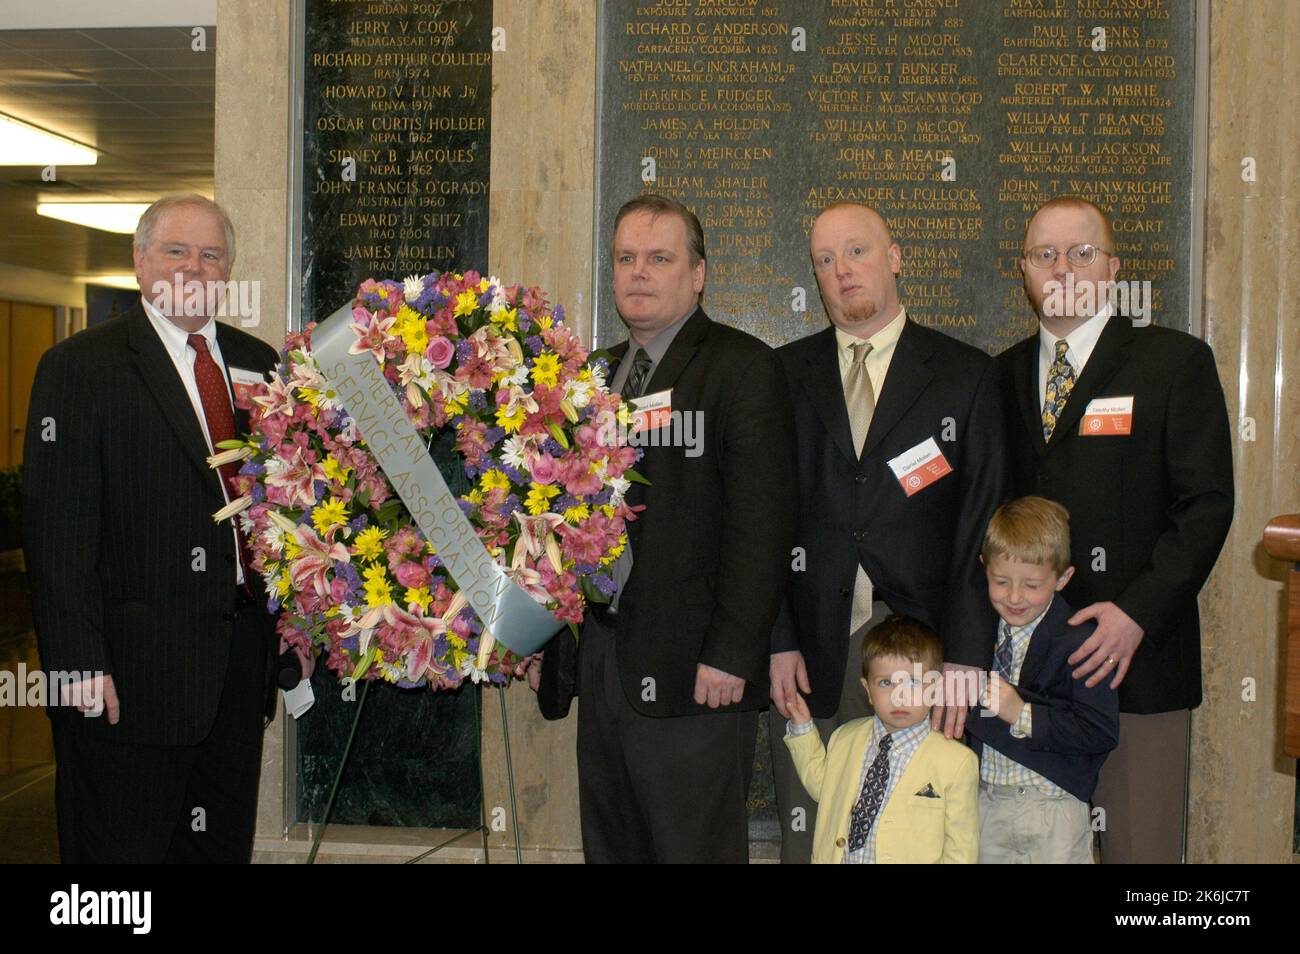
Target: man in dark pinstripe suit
{"points": [[131, 578]]}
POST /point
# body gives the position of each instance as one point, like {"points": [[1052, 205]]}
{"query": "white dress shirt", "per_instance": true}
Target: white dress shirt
{"points": [[175, 341], [1082, 340], [882, 351]]}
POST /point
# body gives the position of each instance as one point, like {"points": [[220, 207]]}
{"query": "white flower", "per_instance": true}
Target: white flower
{"points": [[597, 375], [470, 668], [517, 377], [513, 453], [618, 486], [578, 393], [498, 302], [273, 538], [412, 287]]}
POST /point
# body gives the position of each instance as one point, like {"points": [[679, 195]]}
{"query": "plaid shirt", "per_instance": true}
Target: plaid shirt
{"points": [[996, 768], [906, 742]]}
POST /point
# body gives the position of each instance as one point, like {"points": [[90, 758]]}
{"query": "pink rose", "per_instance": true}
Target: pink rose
{"points": [[544, 469], [411, 575], [439, 352]]}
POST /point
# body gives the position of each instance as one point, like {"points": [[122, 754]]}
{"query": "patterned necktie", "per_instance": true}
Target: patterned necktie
{"points": [[220, 417], [634, 387], [1060, 382], [860, 400], [873, 794], [1002, 656]]}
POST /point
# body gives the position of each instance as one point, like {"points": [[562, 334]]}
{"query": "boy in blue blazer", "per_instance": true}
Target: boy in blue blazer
{"points": [[1042, 735]]}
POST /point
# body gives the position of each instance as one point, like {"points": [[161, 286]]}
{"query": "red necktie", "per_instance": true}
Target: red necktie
{"points": [[220, 416]]}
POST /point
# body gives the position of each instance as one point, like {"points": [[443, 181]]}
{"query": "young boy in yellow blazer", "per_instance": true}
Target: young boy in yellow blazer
{"points": [[888, 789]]}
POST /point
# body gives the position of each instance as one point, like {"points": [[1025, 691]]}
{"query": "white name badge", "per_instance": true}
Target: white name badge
{"points": [[299, 699], [651, 411], [241, 379], [1107, 416], [919, 467]]}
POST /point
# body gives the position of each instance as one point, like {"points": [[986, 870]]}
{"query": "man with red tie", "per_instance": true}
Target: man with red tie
{"points": [[135, 588]]}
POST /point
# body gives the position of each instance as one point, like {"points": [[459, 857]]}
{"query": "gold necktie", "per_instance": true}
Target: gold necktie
{"points": [[860, 400], [1060, 382]]}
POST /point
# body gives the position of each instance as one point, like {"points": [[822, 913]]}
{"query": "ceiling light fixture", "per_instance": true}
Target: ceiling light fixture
{"points": [[22, 144], [108, 216]]}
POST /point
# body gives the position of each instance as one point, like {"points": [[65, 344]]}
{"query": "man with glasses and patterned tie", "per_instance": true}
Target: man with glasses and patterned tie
{"points": [[672, 675], [901, 463], [158, 748], [1127, 428]]}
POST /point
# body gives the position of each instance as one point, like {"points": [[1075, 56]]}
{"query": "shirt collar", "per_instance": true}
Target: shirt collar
{"points": [[174, 338], [660, 343], [903, 737], [1020, 632], [1082, 340], [881, 342]]}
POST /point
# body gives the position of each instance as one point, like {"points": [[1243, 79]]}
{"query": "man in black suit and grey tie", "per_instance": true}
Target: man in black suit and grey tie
{"points": [[673, 675], [901, 464], [1128, 429], [134, 586]]}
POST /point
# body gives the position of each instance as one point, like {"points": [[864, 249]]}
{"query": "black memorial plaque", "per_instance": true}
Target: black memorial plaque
{"points": [[396, 109], [954, 118], [395, 162]]}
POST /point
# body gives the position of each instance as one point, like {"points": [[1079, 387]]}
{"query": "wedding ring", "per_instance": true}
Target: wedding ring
{"points": [[1110, 660]]}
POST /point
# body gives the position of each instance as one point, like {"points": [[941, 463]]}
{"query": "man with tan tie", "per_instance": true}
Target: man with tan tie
{"points": [[901, 463]]}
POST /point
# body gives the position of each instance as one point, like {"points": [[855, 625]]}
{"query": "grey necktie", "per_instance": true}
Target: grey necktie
{"points": [[860, 400]]}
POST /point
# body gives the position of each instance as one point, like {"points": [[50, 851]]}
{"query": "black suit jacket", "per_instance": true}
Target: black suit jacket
{"points": [[1072, 726], [711, 550], [1149, 511], [921, 552], [129, 573]]}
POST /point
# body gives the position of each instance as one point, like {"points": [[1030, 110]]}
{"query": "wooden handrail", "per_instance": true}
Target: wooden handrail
{"points": [[1282, 541]]}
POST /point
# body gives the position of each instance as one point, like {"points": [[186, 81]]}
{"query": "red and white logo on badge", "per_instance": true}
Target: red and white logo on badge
{"points": [[242, 380], [1107, 417], [919, 467]]}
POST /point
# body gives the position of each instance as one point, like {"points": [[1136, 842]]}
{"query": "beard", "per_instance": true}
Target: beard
{"points": [[859, 314]]}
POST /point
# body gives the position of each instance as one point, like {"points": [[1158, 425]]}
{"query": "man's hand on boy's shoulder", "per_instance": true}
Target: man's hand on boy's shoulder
{"points": [[1111, 646], [954, 701]]}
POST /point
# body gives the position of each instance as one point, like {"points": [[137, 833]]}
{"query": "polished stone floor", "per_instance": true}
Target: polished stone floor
{"points": [[27, 829]]}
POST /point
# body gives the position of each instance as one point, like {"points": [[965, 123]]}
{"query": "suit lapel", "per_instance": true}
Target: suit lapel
{"points": [[685, 343], [160, 377], [1107, 357], [907, 378], [1024, 375], [821, 378], [1053, 622], [234, 356]]}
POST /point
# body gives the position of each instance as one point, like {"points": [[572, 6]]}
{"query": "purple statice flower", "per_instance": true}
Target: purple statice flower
{"points": [[253, 467], [478, 401], [516, 475], [585, 569], [552, 446], [466, 507], [404, 683], [485, 299], [493, 435], [601, 498], [564, 502], [259, 493], [603, 363], [558, 314], [510, 506], [273, 604], [604, 583], [525, 323], [350, 643], [535, 343], [319, 487], [357, 524], [464, 350]]}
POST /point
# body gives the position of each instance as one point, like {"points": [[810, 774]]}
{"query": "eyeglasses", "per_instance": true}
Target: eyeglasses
{"points": [[1080, 256]]}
